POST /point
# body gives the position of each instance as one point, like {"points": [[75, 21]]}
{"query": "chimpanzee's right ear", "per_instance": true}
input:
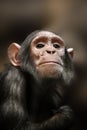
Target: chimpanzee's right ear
{"points": [[13, 51], [71, 51]]}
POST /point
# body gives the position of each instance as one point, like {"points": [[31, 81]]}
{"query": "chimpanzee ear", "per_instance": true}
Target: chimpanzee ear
{"points": [[71, 51], [13, 51]]}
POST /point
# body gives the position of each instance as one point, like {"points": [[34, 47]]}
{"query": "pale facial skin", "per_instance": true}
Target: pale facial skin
{"points": [[46, 50]]}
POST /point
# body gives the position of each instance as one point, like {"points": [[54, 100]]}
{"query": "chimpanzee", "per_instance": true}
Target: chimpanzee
{"points": [[33, 86]]}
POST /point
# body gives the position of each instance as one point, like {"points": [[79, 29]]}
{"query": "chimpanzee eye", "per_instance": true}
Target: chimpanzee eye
{"points": [[56, 45], [40, 45]]}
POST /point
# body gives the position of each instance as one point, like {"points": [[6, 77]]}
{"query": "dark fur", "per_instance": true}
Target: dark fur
{"points": [[30, 103]]}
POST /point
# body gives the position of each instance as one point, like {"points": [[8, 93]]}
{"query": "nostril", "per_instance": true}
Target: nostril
{"points": [[49, 52], [53, 52]]}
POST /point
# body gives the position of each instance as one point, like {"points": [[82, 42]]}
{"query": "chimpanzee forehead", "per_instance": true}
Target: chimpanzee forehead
{"points": [[47, 34]]}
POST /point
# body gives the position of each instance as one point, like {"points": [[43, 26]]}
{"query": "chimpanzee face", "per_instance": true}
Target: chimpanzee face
{"points": [[47, 50], [43, 54]]}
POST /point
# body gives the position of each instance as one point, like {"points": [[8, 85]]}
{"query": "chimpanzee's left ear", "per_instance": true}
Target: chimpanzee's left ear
{"points": [[71, 51], [13, 51]]}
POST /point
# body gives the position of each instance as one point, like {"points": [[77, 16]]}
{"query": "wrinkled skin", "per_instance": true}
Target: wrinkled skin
{"points": [[47, 50]]}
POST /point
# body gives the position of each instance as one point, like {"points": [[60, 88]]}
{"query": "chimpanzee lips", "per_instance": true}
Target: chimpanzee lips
{"points": [[51, 62]]}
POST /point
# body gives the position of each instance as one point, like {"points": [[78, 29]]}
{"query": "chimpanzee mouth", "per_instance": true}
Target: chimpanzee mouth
{"points": [[51, 62]]}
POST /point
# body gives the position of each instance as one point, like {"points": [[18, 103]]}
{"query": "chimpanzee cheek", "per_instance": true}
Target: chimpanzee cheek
{"points": [[36, 59], [61, 52]]}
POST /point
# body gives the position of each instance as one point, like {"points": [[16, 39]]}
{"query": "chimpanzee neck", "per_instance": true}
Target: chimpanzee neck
{"points": [[43, 85], [46, 86]]}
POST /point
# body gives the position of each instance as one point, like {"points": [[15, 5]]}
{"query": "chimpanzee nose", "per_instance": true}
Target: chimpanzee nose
{"points": [[51, 51]]}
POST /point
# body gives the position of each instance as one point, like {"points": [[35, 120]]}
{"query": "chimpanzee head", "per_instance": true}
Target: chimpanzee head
{"points": [[43, 54]]}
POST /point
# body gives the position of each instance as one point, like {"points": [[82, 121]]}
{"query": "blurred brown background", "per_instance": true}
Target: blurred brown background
{"points": [[68, 18]]}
